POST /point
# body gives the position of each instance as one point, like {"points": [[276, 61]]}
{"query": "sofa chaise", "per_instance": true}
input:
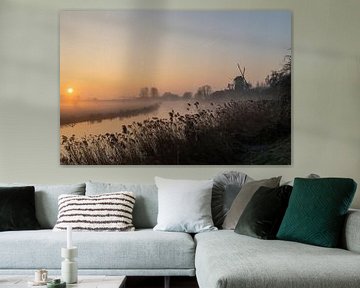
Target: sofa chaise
{"points": [[226, 259]]}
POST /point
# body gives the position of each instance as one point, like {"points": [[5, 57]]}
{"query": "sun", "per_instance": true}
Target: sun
{"points": [[70, 90]]}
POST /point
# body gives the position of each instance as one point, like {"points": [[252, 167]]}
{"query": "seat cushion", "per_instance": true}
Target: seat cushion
{"points": [[226, 259], [144, 249]]}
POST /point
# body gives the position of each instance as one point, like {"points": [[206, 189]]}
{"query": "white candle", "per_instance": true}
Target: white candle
{"points": [[69, 239]]}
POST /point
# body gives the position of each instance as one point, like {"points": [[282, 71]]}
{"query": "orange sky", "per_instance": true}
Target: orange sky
{"points": [[112, 54]]}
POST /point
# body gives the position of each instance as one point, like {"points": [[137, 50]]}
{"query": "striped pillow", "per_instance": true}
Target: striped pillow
{"points": [[105, 212]]}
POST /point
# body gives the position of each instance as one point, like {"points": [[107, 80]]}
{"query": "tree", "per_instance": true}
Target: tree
{"points": [[170, 96], [280, 80], [154, 92], [144, 92], [280, 83], [203, 92], [187, 95]]}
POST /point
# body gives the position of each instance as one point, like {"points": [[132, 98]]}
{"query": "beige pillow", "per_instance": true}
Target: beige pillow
{"points": [[243, 198]]}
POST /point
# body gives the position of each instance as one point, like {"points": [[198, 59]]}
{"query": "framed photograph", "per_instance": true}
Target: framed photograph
{"points": [[170, 87]]}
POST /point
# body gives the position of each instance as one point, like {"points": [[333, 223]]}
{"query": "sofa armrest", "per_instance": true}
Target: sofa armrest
{"points": [[351, 233]]}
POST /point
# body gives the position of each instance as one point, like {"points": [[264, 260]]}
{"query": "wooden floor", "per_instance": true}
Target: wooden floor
{"points": [[158, 282]]}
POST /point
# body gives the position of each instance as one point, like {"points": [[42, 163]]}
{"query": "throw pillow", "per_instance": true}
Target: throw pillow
{"points": [[184, 205], [311, 176], [106, 212], [17, 208], [146, 205], [263, 215], [226, 187], [46, 200], [243, 198], [317, 209]]}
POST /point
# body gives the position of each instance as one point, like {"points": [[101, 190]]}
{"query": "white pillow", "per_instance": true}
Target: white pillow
{"points": [[184, 205]]}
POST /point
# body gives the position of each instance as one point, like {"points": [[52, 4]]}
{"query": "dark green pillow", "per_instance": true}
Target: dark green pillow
{"points": [[263, 214], [17, 208], [316, 211]]}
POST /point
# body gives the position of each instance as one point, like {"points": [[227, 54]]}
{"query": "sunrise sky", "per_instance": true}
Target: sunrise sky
{"points": [[112, 54]]}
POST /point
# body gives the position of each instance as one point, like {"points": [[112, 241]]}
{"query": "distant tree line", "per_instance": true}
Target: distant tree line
{"points": [[278, 82]]}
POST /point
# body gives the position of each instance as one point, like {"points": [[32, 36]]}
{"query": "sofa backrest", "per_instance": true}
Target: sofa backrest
{"points": [[146, 203]]}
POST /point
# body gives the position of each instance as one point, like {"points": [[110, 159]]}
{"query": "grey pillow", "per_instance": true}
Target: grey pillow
{"points": [[184, 205], [226, 187], [46, 200], [146, 204], [243, 198], [310, 176]]}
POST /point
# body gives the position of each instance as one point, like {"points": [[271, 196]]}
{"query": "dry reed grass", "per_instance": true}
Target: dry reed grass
{"points": [[236, 132]]}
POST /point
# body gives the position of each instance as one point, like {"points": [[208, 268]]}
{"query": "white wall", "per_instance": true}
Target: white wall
{"points": [[326, 97]]}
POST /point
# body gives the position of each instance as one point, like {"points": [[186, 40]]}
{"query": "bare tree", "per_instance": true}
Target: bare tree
{"points": [[144, 92], [154, 92], [203, 92]]}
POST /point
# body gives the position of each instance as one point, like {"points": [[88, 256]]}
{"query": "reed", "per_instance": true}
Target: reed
{"points": [[236, 132]]}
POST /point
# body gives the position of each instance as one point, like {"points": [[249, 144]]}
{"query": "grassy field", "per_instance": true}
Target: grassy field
{"points": [[244, 132]]}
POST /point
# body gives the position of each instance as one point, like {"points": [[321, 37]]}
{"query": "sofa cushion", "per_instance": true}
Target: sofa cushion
{"points": [[146, 205], [184, 205], [226, 187], [317, 209], [143, 249], [225, 259], [105, 212], [17, 208], [243, 198], [46, 200], [263, 215]]}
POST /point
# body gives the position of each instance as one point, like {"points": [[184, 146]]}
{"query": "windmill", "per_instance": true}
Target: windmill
{"points": [[240, 82]]}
